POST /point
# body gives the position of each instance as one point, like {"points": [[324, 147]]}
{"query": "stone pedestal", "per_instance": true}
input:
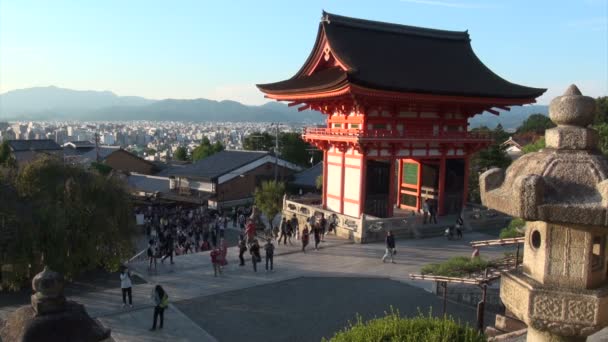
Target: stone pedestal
{"points": [[51, 317], [561, 291]]}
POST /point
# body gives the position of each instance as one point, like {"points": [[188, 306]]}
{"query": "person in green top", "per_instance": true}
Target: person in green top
{"points": [[161, 301]]}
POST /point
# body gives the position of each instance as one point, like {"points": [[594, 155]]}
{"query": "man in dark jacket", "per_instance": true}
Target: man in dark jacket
{"points": [[390, 247]]}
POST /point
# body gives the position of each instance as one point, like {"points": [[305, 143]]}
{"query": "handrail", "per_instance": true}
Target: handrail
{"points": [[137, 255]]}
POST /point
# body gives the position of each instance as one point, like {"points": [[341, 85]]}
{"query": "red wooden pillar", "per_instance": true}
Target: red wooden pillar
{"points": [[465, 190], [399, 182], [362, 185], [419, 187], [392, 188], [343, 169], [325, 178], [441, 208]]}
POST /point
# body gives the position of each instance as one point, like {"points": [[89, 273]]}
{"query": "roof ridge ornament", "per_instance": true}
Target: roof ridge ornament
{"points": [[325, 18]]}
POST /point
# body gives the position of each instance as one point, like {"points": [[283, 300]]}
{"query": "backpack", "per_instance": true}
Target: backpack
{"points": [[165, 301]]}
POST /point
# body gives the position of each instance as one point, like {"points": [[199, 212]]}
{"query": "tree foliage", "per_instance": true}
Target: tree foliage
{"points": [[74, 219], [269, 199], [319, 182], [536, 146], [292, 147], [181, 153], [6, 157], [457, 267], [514, 229], [601, 111], [205, 149], [258, 141], [421, 328], [537, 123]]}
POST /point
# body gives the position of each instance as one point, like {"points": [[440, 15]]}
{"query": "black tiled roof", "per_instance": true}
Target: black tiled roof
{"points": [[215, 165], [33, 145], [402, 58], [308, 177]]}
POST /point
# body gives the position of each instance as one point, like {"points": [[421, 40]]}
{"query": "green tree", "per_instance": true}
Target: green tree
{"points": [[205, 149], [181, 153], [319, 182], [536, 146], [602, 130], [493, 156], [269, 199], [258, 141], [601, 112], [537, 123], [499, 134], [514, 229], [74, 219], [6, 157]]}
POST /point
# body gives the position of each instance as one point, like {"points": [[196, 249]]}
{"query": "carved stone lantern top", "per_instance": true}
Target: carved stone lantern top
{"points": [[48, 283], [564, 183]]}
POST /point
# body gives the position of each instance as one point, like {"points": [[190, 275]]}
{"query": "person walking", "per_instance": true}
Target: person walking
{"points": [[152, 254], [254, 250], [316, 232], [433, 211], [250, 231], [169, 248], [215, 261], [390, 247], [223, 253], [305, 237], [295, 226], [269, 248], [289, 232], [242, 250], [323, 227], [160, 299], [283, 228], [125, 286], [425, 211]]}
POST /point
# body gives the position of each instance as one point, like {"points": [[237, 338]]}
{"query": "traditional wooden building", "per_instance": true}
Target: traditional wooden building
{"points": [[397, 100]]}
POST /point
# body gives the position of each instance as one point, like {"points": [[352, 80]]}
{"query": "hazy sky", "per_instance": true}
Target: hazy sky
{"points": [[221, 49]]}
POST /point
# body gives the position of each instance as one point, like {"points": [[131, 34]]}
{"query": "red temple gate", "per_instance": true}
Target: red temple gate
{"points": [[397, 99]]}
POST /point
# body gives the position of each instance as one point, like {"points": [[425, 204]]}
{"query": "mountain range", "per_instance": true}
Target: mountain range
{"points": [[54, 103]]}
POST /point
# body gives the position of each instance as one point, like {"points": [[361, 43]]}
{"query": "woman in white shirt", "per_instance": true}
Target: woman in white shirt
{"points": [[125, 285]]}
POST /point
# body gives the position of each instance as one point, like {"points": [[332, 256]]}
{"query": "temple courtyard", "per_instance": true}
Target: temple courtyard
{"points": [[308, 296]]}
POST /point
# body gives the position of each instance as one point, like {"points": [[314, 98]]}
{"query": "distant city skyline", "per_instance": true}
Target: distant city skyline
{"points": [[220, 50]]}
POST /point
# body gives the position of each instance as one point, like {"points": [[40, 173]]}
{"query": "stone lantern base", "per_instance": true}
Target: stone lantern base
{"points": [[72, 324], [558, 314]]}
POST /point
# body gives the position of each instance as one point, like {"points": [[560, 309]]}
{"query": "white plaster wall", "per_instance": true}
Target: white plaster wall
{"points": [[351, 209], [352, 179], [433, 152], [334, 174], [334, 159], [352, 161], [333, 204]]}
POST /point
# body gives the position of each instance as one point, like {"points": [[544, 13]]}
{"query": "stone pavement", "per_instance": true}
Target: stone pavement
{"points": [[190, 280]]}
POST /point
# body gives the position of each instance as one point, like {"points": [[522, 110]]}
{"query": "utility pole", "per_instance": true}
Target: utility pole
{"points": [[97, 146], [276, 153]]}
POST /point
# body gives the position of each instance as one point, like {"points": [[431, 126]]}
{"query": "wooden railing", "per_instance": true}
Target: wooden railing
{"points": [[393, 134]]}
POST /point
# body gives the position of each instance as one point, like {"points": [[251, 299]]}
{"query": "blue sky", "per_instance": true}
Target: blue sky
{"points": [[221, 49]]}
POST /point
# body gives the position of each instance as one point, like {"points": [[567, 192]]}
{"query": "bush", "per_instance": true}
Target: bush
{"points": [[422, 328], [514, 229], [457, 267]]}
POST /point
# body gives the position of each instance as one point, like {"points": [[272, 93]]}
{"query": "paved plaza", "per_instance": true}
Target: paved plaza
{"points": [[308, 296]]}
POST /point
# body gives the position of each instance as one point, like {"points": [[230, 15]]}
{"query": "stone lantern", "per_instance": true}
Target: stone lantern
{"points": [[51, 317], [561, 291]]}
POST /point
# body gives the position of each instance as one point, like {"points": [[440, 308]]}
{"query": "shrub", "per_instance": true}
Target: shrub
{"points": [[457, 267], [393, 327], [514, 229]]}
